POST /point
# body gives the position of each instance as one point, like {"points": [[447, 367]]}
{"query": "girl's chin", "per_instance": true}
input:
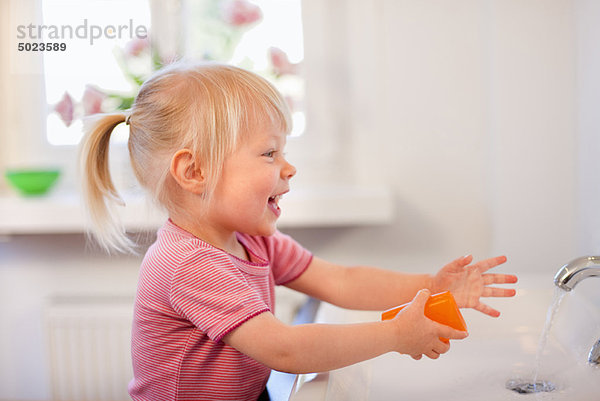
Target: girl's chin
{"points": [[262, 231]]}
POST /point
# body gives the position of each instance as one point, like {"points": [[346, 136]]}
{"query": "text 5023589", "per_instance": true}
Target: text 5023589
{"points": [[41, 46]]}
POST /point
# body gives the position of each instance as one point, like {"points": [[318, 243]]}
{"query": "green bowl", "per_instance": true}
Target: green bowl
{"points": [[30, 182]]}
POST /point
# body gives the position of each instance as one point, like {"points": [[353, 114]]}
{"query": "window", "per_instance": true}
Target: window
{"points": [[285, 48], [97, 33], [105, 64], [303, 47], [307, 48]]}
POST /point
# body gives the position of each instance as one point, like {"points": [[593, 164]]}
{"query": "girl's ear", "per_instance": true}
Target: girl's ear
{"points": [[187, 173]]}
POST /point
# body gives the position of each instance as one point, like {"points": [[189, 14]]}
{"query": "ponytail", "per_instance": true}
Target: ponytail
{"points": [[99, 192]]}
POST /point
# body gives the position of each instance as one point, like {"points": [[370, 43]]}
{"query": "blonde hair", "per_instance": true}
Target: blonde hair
{"points": [[201, 107]]}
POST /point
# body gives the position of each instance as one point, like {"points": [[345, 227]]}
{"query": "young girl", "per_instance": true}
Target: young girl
{"points": [[207, 141]]}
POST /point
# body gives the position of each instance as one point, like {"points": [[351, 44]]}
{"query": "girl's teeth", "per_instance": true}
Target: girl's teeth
{"points": [[275, 199]]}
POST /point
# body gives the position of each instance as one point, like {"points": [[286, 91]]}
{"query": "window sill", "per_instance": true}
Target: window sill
{"points": [[62, 212]]}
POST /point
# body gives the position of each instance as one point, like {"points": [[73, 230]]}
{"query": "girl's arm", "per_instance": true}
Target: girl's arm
{"points": [[321, 347], [372, 288], [359, 287]]}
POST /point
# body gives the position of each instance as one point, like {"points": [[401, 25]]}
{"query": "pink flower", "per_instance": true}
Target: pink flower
{"points": [[281, 63], [240, 12], [136, 46], [92, 100], [64, 108]]}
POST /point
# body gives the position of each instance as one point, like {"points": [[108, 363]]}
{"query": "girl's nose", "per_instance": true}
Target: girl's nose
{"points": [[288, 171]]}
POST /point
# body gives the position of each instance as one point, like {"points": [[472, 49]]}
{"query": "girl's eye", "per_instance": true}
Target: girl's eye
{"points": [[270, 153]]}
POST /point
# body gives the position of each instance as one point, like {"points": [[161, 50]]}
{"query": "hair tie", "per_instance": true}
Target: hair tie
{"points": [[127, 119]]}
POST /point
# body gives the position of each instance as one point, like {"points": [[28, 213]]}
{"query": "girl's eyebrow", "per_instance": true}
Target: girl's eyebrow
{"points": [[274, 138]]}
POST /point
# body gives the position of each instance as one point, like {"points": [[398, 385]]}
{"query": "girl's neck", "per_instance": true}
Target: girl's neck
{"points": [[220, 239]]}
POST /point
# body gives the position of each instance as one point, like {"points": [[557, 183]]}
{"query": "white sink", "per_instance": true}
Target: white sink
{"points": [[478, 368]]}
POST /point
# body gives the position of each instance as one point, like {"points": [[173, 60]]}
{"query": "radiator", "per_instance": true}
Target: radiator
{"points": [[88, 342]]}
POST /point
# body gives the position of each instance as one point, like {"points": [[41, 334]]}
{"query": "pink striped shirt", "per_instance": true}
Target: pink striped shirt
{"points": [[190, 295]]}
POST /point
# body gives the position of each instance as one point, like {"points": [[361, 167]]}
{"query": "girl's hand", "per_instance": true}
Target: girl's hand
{"points": [[420, 335], [468, 283]]}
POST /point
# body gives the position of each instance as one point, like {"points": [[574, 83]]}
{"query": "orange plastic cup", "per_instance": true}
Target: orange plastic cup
{"points": [[441, 308]]}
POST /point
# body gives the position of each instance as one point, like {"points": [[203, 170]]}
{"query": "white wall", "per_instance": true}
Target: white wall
{"points": [[482, 134], [485, 127], [33, 268], [588, 119], [478, 130], [534, 130]]}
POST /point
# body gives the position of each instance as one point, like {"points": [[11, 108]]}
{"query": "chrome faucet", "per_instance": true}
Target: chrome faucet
{"points": [[594, 357], [572, 273], [576, 270]]}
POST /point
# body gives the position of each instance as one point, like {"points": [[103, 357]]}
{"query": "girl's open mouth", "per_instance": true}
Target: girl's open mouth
{"points": [[273, 204]]}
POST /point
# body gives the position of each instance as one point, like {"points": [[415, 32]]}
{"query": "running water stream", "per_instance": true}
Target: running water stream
{"points": [[559, 294], [535, 386]]}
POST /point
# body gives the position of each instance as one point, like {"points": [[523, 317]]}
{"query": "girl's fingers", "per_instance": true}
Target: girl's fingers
{"points": [[487, 264], [483, 308], [465, 260], [498, 292], [499, 279], [421, 298], [438, 349], [459, 264], [441, 347], [450, 333], [432, 354]]}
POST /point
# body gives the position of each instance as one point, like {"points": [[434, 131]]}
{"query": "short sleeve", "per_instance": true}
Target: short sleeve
{"points": [[287, 257], [209, 291]]}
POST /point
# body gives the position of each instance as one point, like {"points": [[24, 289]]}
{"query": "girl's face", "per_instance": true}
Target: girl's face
{"points": [[253, 179]]}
